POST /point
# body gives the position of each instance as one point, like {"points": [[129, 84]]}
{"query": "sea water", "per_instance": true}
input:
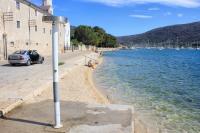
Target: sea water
{"points": [[162, 85]]}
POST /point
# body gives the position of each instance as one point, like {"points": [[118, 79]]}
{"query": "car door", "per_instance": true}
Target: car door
{"points": [[30, 53], [35, 56]]}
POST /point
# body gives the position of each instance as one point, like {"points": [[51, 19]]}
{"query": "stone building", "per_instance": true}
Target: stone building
{"points": [[22, 27]]}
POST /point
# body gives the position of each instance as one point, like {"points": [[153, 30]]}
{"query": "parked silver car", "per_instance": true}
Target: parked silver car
{"points": [[26, 57]]}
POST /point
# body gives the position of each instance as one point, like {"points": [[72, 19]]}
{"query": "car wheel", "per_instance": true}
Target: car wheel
{"points": [[28, 63], [41, 61]]}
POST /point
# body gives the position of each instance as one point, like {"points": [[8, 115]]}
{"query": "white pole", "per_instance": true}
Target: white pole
{"points": [[55, 34]]}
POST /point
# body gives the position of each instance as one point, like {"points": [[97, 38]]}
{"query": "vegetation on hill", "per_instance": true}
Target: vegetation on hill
{"points": [[184, 35], [95, 36]]}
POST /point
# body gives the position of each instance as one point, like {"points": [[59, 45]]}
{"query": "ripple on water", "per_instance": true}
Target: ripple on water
{"points": [[163, 86]]}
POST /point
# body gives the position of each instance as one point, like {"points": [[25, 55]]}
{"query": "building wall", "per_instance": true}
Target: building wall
{"points": [[1, 32], [40, 35], [61, 38]]}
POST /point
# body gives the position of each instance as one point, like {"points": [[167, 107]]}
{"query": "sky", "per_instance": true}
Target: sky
{"points": [[127, 17]]}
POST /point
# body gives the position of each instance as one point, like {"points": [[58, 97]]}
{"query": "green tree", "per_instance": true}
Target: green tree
{"points": [[110, 41], [95, 36], [101, 34], [75, 42], [86, 35]]}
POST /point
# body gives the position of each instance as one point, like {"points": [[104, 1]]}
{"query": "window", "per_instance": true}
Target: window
{"points": [[44, 30], [36, 12], [20, 52], [36, 28], [18, 24], [12, 44], [17, 4]]}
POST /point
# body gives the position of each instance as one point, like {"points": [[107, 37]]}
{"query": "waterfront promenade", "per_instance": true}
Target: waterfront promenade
{"points": [[19, 83], [26, 99]]}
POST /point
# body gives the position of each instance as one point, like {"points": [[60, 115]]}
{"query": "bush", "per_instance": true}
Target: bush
{"points": [[61, 63]]}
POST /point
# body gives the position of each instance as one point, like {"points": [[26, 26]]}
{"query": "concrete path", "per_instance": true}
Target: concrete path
{"points": [[76, 118], [19, 83]]}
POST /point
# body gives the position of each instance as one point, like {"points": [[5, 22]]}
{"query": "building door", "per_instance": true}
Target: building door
{"points": [[5, 48]]}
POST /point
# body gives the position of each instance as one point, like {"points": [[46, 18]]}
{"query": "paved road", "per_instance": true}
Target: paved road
{"points": [[17, 82]]}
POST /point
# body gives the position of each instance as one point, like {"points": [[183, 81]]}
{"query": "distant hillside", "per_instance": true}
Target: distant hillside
{"points": [[72, 27], [183, 35]]}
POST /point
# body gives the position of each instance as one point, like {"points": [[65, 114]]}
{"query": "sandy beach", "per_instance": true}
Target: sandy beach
{"points": [[76, 86]]}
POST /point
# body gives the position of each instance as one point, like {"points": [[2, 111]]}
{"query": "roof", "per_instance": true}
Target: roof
{"points": [[58, 19], [34, 6]]}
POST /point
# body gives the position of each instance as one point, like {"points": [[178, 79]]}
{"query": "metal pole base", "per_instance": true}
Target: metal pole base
{"points": [[57, 126]]}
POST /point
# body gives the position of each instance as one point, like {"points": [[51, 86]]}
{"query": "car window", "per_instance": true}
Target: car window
{"points": [[20, 52], [29, 52], [35, 53]]}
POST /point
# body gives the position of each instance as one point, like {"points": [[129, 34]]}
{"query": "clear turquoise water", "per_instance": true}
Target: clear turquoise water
{"points": [[163, 86]]}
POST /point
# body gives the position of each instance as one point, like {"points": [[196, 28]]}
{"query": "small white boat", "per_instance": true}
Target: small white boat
{"points": [[161, 48], [133, 48]]}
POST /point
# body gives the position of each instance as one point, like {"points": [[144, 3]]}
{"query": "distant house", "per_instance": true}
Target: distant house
{"points": [[21, 27]]}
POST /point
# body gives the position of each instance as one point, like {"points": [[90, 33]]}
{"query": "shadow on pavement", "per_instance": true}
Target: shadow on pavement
{"points": [[17, 65], [27, 121], [39, 117], [8, 65]]}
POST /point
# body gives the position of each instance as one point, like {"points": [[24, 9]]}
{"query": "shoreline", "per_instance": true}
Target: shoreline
{"points": [[85, 83], [104, 98], [139, 125], [77, 85], [98, 88], [83, 87]]}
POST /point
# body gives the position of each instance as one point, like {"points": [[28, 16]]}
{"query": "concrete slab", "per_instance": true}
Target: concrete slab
{"points": [[76, 118], [112, 128]]}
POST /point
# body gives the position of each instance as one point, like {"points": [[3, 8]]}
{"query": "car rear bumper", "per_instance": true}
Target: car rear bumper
{"points": [[17, 61]]}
